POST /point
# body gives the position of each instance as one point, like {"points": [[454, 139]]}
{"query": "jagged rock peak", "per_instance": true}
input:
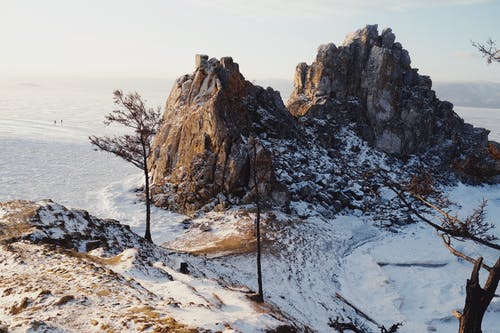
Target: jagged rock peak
{"points": [[202, 153], [346, 71], [369, 81], [210, 76], [369, 34]]}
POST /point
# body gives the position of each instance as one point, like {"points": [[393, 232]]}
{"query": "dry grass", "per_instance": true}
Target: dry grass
{"points": [[18, 308], [107, 261], [145, 312], [239, 240], [103, 292], [219, 302], [17, 221], [147, 318], [64, 299], [232, 244]]}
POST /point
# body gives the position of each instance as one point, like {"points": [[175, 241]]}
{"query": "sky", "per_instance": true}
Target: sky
{"points": [[268, 38]]}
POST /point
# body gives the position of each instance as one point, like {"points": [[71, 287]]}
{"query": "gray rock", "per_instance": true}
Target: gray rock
{"points": [[397, 110], [388, 38]]}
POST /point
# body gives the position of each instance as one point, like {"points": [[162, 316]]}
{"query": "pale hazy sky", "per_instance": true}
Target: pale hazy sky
{"points": [[158, 38]]}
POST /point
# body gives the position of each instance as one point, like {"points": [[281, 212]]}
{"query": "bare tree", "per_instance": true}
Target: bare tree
{"points": [[473, 227], [253, 143], [133, 148], [488, 50]]}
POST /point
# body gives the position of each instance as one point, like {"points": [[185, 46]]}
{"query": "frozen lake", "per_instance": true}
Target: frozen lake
{"points": [[42, 158]]}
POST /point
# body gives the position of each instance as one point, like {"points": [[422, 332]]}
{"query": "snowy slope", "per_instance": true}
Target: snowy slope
{"points": [[64, 270], [406, 276]]}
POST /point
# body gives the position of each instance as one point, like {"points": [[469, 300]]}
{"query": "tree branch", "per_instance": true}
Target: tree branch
{"points": [[455, 252], [122, 146], [488, 50], [457, 233], [493, 278], [358, 311]]}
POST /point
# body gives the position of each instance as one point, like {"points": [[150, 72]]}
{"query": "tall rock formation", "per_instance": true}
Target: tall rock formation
{"points": [[203, 150], [394, 108], [219, 128]]}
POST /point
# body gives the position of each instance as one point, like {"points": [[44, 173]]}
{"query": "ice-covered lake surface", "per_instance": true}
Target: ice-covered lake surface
{"points": [[40, 157], [45, 151]]}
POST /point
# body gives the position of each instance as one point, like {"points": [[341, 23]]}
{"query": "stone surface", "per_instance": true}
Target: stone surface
{"points": [[396, 109], [202, 154]]}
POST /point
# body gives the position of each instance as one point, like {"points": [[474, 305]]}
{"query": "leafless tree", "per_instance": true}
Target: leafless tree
{"points": [[488, 50], [253, 143], [474, 228], [134, 148]]}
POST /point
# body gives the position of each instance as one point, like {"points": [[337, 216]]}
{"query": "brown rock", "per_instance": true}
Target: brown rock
{"points": [[64, 299], [202, 147], [494, 149]]}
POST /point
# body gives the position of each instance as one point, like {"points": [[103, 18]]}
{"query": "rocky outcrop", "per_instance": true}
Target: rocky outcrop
{"points": [[394, 108], [46, 222], [219, 128], [203, 152], [203, 156]]}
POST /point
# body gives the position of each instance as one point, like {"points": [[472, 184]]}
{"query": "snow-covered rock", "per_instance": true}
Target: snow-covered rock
{"points": [[396, 111]]}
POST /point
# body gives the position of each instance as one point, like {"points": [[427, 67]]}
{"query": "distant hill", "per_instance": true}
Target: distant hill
{"points": [[476, 94]]}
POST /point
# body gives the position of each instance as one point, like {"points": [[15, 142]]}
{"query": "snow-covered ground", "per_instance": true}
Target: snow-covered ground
{"points": [[407, 276], [413, 278], [103, 277]]}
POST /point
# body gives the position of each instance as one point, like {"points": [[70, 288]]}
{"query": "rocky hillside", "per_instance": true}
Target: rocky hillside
{"points": [[218, 128], [392, 106], [64, 270]]}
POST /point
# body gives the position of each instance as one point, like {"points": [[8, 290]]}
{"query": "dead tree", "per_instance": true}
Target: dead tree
{"points": [[488, 50], [478, 298], [133, 148], [473, 227], [253, 143]]}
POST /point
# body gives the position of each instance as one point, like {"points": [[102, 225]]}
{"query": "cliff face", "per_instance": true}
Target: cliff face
{"points": [[204, 148], [397, 105], [394, 108]]}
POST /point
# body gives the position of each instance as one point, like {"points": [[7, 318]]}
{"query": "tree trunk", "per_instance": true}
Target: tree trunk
{"points": [[478, 299], [259, 268], [147, 234], [260, 295]]}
